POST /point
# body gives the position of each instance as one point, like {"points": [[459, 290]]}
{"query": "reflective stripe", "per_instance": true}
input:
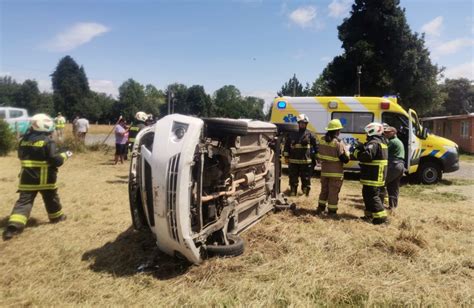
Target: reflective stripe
{"points": [[286, 154], [134, 128], [372, 183], [43, 175], [322, 202], [22, 219], [131, 139], [332, 174], [375, 163], [63, 155], [33, 163], [380, 214], [332, 206], [300, 146], [384, 146], [36, 144], [300, 161], [33, 187], [356, 153], [55, 215], [329, 158]]}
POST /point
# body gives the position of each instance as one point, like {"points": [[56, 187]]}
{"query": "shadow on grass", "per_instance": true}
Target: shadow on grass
{"points": [[340, 216], [134, 252], [117, 181]]}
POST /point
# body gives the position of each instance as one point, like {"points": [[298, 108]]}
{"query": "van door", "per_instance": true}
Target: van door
{"points": [[414, 148]]}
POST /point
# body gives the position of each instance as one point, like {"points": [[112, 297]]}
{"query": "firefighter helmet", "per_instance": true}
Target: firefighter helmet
{"points": [[42, 123], [374, 129], [334, 124], [141, 116], [302, 118]]}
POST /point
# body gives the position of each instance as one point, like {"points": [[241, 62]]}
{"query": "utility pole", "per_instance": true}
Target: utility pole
{"points": [[359, 73], [170, 98], [294, 85]]}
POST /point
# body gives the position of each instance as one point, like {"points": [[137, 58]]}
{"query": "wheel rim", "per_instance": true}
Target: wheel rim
{"points": [[430, 175]]}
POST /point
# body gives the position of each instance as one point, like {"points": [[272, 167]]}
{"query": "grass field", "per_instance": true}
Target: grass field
{"points": [[423, 257]]}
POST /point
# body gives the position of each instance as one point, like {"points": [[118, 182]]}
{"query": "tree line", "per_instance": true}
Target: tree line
{"points": [[380, 52]]}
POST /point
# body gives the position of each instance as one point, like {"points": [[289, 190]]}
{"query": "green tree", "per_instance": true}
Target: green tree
{"points": [[44, 104], [154, 99], [131, 98], [7, 138], [176, 94], [459, 96], [198, 101], [227, 102], [9, 89], [70, 86], [394, 60], [252, 108], [293, 88], [28, 95]]}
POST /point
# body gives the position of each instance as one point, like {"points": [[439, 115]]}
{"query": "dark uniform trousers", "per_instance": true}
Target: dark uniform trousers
{"points": [[394, 175], [302, 171], [22, 209], [372, 200]]}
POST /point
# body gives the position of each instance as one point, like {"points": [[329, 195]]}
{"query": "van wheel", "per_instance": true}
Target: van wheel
{"points": [[222, 127], [235, 247], [429, 173]]}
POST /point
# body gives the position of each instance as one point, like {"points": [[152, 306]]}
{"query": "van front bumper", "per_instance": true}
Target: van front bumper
{"points": [[450, 162]]}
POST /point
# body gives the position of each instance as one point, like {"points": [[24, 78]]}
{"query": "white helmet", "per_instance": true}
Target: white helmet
{"points": [[374, 129], [302, 118], [42, 123], [141, 116]]}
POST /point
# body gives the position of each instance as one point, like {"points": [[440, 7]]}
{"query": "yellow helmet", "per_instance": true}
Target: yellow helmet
{"points": [[334, 124]]}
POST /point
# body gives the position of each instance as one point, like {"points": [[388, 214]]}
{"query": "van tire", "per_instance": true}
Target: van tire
{"points": [[217, 127], [287, 127], [235, 247], [429, 173]]}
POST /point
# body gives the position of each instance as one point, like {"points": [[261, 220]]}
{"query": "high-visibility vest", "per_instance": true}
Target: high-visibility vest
{"points": [[328, 153], [133, 131], [60, 122], [39, 162], [373, 160]]}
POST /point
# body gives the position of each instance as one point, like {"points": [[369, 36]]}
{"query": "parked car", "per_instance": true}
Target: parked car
{"points": [[17, 118], [196, 184]]}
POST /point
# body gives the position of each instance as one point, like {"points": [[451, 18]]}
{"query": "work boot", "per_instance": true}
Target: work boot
{"points": [[10, 232], [306, 191], [379, 221], [320, 209], [332, 212], [294, 191], [58, 219], [366, 218]]}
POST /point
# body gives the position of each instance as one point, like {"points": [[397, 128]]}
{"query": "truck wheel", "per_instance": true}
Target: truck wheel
{"points": [[224, 127], [429, 173], [235, 247], [287, 127]]}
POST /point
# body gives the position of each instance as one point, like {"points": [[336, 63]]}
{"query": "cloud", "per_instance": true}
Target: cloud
{"points": [[103, 86], [79, 34], [433, 27], [465, 70], [304, 17], [451, 47], [339, 8], [4, 74]]}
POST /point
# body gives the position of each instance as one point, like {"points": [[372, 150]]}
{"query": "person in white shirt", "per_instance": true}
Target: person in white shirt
{"points": [[82, 127]]}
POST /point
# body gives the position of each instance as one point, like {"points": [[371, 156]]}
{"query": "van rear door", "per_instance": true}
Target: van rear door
{"points": [[414, 148]]}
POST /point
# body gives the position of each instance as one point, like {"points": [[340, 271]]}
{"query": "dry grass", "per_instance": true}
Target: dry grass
{"points": [[423, 257]]}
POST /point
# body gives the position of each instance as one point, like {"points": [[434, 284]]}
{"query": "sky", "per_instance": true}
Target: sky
{"points": [[256, 45]]}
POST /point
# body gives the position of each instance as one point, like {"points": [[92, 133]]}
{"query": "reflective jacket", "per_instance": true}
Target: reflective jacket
{"points": [[300, 147], [333, 156], [134, 130], [60, 122], [39, 162], [373, 156]]}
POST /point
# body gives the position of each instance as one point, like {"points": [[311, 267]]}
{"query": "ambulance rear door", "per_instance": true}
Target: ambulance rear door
{"points": [[414, 146]]}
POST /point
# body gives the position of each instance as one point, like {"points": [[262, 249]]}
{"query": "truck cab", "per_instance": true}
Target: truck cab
{"points": [[427, 156], [17, 118]]}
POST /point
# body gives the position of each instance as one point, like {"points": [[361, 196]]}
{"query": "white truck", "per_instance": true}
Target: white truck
{"points": [[17, 118]]}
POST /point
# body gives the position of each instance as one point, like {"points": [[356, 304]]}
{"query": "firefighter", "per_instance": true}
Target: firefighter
{"points": [[333, 155], [373, 157], [39, 168], [60, 122], [141, 118], [300, 149]]}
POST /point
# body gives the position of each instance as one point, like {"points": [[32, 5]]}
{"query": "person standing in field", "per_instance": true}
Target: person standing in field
{"points": [[74, 126], [39, 168], [59, 122], [82, 127], [121, 135], [333, 155], [139, 123], [373, 157], [396, 166], [300, 148]]}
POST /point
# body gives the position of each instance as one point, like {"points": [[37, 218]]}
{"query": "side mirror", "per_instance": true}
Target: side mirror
{"points": [[424, 133]]}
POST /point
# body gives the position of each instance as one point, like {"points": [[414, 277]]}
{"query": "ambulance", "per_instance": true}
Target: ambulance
{"points": [[427, 156]]}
